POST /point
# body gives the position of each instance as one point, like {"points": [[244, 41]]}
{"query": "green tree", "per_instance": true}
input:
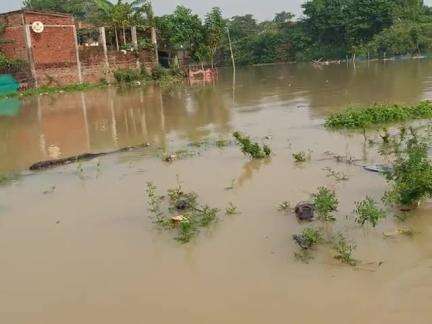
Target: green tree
{"points": [[214, 31]]}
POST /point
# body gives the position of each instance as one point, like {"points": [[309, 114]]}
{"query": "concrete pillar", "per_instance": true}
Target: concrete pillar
{"points": [[134, 37], [30, 53], [80, 78], [102, 35]]}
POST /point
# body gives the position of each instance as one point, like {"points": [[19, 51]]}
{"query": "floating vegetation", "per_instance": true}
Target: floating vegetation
{"points": [[180, 212], [325, 202], [284, 206], [231, 185], [339, 176], [6, 178], [231, 210], [410, 177], [343, 250], [368, 211], [365, 117], [308, 238], [400, 231], [347, 159], [250, 148], [301, 156], [178, 155]]}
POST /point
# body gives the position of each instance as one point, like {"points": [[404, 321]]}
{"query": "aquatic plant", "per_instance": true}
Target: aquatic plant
{"points": [[7, 177], [301, 156], [308, 238], [368, 211], [338, 176], [343, 250], [180, 212], [325, 202], [410, 176], [375, 115], [231, 210], [284, 206], [250, 148], [231, 185]]}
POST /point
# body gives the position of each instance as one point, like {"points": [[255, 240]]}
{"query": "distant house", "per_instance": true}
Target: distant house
{"points": [[48, 42]]}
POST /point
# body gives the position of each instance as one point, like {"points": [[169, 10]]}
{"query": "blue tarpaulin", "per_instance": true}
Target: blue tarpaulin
{"points": [[8, 84]]}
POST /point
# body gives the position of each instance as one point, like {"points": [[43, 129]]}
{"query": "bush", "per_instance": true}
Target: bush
{"points": [[8, 65], [410, 176], [253, 149], [367, 211], [130, 75], [325, 202], [378, 115]]}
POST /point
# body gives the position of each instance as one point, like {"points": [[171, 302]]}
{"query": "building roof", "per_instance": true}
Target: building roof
{"points": [[47, 13]]}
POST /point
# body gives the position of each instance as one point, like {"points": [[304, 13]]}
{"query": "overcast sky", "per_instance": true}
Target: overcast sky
{"points": [[262, 9]]}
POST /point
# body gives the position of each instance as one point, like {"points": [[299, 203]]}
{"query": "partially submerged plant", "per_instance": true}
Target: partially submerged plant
{"points": [[250, 148], [180, 211], [364, 117], [343, 250], [308, 238], [338, 176], [284, 206], [368, 211], [410, 177], [231, 210], [301, 157], [325, 203], [6, 178]]}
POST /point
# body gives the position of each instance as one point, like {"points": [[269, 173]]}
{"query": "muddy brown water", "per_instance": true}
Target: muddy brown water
{"points": [[87, 252]]}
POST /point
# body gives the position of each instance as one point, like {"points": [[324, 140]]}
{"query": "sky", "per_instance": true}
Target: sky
{"points": [[261, 9]]}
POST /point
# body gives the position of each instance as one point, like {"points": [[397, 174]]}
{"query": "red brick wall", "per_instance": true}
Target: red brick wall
{"points": [[15, 46], [47, 19], [54, 47], [12, 19]]}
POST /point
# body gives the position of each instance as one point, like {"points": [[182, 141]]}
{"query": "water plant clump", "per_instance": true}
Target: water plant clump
{"points": [[368, 211], [231, 210], [410, 177], [301, 157], [308, 238], [325, 202], [6, 178], [375, 115], [250, 148], [285, 206], [180, 212], [344, 250]]}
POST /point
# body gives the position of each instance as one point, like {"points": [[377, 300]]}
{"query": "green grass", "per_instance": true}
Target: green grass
{"points": [[379, 114], [343, 250], [55, 90]]}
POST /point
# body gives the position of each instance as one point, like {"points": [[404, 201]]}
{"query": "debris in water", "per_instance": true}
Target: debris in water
{"points": [[378, 168], [304, 211]]}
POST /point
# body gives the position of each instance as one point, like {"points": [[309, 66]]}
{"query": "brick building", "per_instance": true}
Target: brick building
{"points": [[53, 54]]}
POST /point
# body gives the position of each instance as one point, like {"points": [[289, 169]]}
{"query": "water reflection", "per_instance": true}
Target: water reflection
{"points": [[53, 127], [49, 127]]}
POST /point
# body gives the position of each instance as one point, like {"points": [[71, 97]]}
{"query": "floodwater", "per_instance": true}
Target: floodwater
{"points": [[79, 246]]}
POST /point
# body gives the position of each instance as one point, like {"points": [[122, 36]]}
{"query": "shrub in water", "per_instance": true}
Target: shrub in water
{"points": [[250, 148], [325, 202], [368, 211], [365, 117], [411, 176]]}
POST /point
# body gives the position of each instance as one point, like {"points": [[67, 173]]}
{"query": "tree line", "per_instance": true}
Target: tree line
{"points": [[327, 29]]}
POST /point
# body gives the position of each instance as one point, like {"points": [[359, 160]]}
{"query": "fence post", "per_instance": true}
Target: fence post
{"points": [[30, 53], [80, 78], [104, 45]]}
